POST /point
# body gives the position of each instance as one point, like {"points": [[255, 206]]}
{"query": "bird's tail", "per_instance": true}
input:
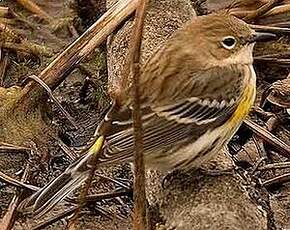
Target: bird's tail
{"points": [[58, 189]]}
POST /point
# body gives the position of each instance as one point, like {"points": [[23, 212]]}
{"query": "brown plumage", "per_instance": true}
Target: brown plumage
{"points": [[195, 92]]}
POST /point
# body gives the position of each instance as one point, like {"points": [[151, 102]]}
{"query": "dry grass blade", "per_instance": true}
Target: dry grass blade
{"points": [[277, 180], [281, 59], [269, 137], [70, 153], [16, 183], [13, 148], [281, 55], [280, 62], [8, 220]]}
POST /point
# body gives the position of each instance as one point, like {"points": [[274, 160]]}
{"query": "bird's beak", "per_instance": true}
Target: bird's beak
{"points": [[262, 37]]}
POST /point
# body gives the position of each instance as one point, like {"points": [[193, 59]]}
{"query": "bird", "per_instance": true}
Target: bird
{"points": [[195, 91]]}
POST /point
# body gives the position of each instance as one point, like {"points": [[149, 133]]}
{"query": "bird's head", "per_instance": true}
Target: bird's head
{"points": [[220, 39]]}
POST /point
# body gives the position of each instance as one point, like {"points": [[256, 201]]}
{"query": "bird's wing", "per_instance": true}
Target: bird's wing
{"points": [[165, 127]]}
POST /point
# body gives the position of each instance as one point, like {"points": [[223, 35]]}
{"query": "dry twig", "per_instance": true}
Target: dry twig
{"points": [[55, 100], [8, 220], [277, 180], [280, 165], [269, 137], [16, 183], [140, 214], [70, 153], [4, 147]]}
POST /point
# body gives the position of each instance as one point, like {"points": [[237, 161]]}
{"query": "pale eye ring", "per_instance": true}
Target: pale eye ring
{"points": [[229, 42]]}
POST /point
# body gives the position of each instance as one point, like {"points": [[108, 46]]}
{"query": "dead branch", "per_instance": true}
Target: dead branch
{"points": [[29, 48]]}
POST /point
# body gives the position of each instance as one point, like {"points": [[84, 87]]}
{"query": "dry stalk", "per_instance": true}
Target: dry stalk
{"points": [[140, 214], [57, 71]]}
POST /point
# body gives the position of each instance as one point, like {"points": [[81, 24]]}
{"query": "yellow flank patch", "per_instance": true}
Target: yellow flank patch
{"points": [[244, 105]]}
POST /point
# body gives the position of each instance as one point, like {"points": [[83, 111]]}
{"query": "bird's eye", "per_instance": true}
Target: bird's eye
{"points": [[229, 42]]}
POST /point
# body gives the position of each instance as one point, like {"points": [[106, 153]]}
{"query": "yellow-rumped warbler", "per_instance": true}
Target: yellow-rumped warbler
{"points": [[195, 92]]}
